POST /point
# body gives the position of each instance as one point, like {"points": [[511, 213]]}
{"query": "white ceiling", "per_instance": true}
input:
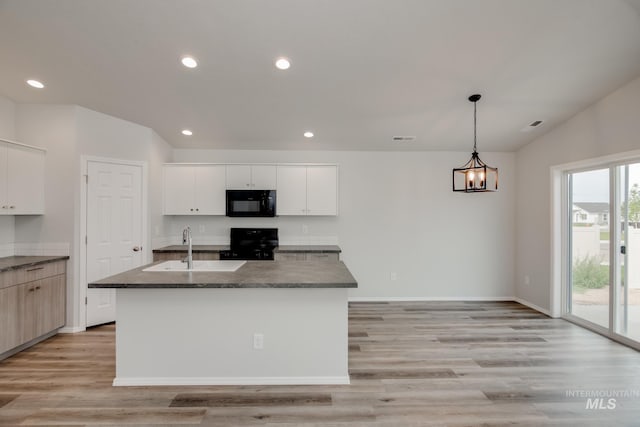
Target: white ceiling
{"points": [[362, 70]]}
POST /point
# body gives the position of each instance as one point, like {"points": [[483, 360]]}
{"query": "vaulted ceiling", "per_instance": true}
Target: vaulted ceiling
{"points": [[362, 71]]}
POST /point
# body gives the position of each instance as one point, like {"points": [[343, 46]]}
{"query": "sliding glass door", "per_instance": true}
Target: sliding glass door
{"points": [[590, 215], [603, 239]]}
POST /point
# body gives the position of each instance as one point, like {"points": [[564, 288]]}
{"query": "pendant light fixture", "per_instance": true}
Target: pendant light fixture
{"points": [[475, 176]]}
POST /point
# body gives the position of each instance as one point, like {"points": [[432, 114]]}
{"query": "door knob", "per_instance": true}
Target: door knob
{"points": [[137, 248]]}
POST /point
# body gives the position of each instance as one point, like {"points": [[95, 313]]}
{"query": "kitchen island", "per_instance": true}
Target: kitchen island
{"points": [[269, 322]]}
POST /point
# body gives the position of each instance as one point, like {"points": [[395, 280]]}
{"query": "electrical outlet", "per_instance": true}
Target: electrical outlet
{"points": [[393, 276], [305, 229], [202, 228], [258, 341], [527, 280], [157, 230]]}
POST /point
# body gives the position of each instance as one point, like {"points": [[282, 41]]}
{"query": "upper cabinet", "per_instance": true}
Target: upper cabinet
{"points": [[21, 179], [194, 189], [251, 177], [307, 190], [199, 189]]}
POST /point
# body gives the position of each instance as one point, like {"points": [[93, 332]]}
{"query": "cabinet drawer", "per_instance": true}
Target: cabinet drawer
{"points": [[31, 273], [290, 256], [331, 257]]}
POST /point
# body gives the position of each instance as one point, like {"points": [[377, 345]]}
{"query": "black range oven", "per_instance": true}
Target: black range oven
{"points": [[251, 244]]}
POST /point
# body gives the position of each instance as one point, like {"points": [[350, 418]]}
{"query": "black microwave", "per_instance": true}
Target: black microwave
{"points": [[251, 203]]}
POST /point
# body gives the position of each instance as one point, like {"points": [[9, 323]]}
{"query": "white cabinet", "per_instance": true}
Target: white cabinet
{"points": [[194, 189], [307, 190], [21, 180], [251, 177]]}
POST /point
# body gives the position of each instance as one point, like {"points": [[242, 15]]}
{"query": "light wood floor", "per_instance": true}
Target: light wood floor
{"points": [[412, 364]]}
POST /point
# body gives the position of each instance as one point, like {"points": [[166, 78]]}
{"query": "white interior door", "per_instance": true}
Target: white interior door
{"points": [[114, 231]]}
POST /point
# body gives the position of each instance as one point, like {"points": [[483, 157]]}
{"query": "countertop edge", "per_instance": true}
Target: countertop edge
{"points": [[32, 263], [225, 286], [280, 249]]}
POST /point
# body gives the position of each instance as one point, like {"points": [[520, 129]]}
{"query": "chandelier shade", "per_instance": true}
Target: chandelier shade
{"points": [[475, 176]]}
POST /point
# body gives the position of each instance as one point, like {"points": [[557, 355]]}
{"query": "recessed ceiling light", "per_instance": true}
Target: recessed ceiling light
{"points": [[189, 62], [35, 83], [282, 64], [187, 132], [308, 134]]}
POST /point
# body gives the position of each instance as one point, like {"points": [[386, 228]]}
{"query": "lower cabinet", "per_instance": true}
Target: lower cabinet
{"points": [[307, 256], [31, 309], [197, 256]]}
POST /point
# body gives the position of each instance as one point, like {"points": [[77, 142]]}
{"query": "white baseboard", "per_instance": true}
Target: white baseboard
{"points": [[426, 299], [200, 381], [533, 306], [71, 329], [400, 299]]}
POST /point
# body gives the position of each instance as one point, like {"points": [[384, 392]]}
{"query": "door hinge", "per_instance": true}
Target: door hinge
{"points": [[86, 179], [86, 240], [86, 300]]}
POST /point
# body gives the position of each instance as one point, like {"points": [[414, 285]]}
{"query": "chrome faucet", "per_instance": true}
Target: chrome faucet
{"points": [[186, 240]]}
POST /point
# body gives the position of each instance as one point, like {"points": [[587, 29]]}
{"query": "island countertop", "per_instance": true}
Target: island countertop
{"points": [[253, 274]]}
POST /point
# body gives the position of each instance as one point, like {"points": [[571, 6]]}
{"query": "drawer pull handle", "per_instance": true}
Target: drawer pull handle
{"points": [[37, 287], [31, 290], [34, 269]]}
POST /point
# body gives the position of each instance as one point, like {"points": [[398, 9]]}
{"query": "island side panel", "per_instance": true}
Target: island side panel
{"points": [[206, 336]]}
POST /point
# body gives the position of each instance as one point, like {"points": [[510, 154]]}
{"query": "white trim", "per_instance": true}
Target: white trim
{"points": [[533, 306], [8, 141], [200, 381], [400, 299], [147, 255], [71, 330]]}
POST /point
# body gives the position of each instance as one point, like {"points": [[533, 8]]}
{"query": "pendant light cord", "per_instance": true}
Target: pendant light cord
{"points": [[474, 127]]}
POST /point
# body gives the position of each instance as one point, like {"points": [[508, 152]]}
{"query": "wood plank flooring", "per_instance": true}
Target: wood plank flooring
{"points": [[411, 364]]}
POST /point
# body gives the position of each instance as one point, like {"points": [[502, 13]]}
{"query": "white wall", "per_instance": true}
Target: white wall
{"points": [[397, 214], [69, 132], [609, 126], [7, 131]]}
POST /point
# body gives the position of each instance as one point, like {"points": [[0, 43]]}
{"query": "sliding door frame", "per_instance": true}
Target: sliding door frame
{"points": [[560, 295]]}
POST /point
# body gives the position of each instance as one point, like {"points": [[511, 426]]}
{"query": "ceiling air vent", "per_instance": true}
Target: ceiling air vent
{"points": [[403, 138], [531, 126]]}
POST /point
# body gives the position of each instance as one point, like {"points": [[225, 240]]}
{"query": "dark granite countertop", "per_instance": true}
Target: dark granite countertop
{"points": [[16, 262], [282, 248], [194, 248], [253, 274], [309, 248]]}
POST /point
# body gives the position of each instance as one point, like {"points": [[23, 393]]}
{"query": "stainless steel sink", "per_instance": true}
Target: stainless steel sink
{"points": [[177, 265]]}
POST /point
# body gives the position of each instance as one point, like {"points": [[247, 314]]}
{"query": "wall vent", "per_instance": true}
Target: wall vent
{"points": [[403, 138]]}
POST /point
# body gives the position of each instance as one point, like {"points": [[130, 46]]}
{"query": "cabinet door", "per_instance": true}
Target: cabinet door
{"points": [[28, 313], [238, 177], [25, 181], [10, 332], [291, 196], [263, 177], [178, 190], [322, 190], [4, 175], [49, 304], [210, 190]]}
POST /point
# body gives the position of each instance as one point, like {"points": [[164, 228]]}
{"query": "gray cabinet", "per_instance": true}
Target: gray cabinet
{"points": [[307, 256], [32, 303]]}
